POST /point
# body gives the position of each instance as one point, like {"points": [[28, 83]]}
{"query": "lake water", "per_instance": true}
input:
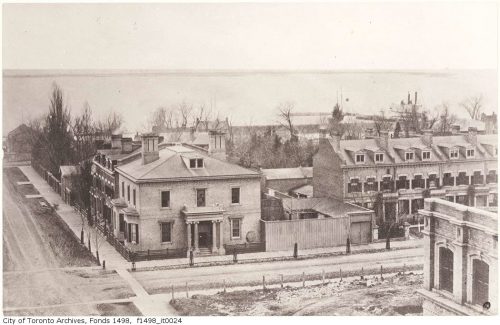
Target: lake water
{"points": [[246, 97]]}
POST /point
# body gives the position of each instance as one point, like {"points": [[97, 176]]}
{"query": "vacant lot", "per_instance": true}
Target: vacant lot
{"points": [[394, 295]]}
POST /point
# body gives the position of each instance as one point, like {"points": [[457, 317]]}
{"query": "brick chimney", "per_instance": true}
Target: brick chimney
{"points": [[217, 144], [369, 133], [127, 145], [116, 141], [427, 137], [455, 129], [383, 139], [336, 141], [149, 148], [472, 135]]}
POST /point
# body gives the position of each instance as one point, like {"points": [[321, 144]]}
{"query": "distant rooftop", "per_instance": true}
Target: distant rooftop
{"points": [[327, 206]]}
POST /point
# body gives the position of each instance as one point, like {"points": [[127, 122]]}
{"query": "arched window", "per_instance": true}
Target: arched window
{"points": [[445, 269], [480, 282]]}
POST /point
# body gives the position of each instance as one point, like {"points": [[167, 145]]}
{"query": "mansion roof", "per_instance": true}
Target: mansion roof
{"points": [[173, 163]]}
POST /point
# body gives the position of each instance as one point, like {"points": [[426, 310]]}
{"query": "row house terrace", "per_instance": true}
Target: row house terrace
{"points": [[401, 172], [104, 182]]}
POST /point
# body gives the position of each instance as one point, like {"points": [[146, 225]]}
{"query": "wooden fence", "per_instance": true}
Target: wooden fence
{"points": [[307, 233]]}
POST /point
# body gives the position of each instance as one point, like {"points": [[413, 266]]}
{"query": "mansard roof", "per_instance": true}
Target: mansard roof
{"points": [[396, 148]]}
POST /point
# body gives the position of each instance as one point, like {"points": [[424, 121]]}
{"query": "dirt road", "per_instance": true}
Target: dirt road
{"points": [[243, 274], [33, 274]]}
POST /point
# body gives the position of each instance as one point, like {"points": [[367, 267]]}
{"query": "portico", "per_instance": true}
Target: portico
{"points": [[204, 229]]}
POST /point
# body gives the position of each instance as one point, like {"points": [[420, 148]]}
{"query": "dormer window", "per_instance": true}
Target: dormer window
{"points": [[379, 157], [470, 153], [196, 163], [409, 156], [426, 155], [454, 154], [360, 158]]}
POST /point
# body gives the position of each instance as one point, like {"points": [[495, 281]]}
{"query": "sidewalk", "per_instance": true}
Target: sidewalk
{"points": [[115, 260], [73, 220]]}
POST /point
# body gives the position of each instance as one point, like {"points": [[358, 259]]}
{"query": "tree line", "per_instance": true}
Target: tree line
{"points": [[58, 139]]}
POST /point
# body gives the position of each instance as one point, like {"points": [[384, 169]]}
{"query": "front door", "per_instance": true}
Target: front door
{"points": [[203, 239]]}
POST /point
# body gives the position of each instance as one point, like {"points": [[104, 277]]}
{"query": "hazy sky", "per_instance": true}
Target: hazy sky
{"points": [[251, 36], [455, 43]]}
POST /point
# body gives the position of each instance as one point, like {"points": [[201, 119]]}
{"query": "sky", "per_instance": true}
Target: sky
{"points": [[306, 53], [376, 35]]}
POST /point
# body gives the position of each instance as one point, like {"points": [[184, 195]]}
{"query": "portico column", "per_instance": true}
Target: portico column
{"points": [[196, 237], [189, 236], [214, 235], [221, 237]]}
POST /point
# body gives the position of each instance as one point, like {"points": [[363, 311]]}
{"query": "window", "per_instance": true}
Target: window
{"points": [[128, 193], [360, 159], [196, 163], [491, 177], [371, 185], [123, 189], [409, 156], [379, 157], [426, 155], [462, 179], [166, 232], [165, 199], [448, 180], [354, 186], [470, 153], [200, 197], [417, 182], [387, 185], [454, 154], [121, 222], [235, 228], [432, 181], [402, 183], [477, 178], [133, 196], [133, 233], [235, 195], [445, 269]]}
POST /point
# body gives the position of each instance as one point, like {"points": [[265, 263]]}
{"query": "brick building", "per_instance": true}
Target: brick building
{"points": [[460, 259], [181, 197], [400, 172]]}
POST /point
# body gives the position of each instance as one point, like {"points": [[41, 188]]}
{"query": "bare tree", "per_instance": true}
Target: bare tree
{"points": [[84, 133], [473, 105], [381, 123], [158, 120], [185, 112], [111, 123], [446, 119], [285, 111]]}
